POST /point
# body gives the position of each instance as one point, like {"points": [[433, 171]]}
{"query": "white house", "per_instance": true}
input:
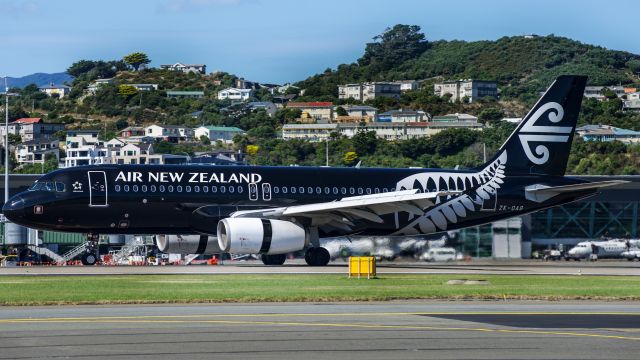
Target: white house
{"points": [[403, 115], [78, 138], [94, 86], [87, 155], [235, 94], [186, 68], [215, 133], [172, 133], [115, 143], [36, 151], [145, 87], [55, 90]]}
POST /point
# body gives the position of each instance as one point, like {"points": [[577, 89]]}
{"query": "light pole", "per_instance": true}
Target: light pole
{"points": [[6, 139]]}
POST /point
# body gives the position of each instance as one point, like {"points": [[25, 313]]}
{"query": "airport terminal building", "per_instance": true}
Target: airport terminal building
{"points": [[613, 213]]}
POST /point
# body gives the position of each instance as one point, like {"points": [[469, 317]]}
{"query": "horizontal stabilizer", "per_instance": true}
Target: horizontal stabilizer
{"points": [[539, 192]]}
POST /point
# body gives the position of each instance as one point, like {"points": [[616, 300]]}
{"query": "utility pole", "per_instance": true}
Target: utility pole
{"points": [[6, 141], [327, 152]]}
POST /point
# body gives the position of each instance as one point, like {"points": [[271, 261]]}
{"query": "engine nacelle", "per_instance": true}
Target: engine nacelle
{"points": [[188, 244], [260, 236]]}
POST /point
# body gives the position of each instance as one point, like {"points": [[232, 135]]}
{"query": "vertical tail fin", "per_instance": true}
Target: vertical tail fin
{"points": [[541, 143]]}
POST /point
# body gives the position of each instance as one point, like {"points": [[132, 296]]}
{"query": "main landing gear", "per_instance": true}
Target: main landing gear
{"points": [[278, 259], [89, 259], [317, 256]]}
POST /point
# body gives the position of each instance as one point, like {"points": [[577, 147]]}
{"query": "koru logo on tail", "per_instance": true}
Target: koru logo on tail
{"points": [[538, 133]]}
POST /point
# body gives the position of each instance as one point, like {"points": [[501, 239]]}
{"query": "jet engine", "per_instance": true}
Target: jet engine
{"points": [[188, 244], [265, 236]]}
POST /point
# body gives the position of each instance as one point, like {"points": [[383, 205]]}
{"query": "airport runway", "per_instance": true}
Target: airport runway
{"points": [[513, 267], [393, 330]]}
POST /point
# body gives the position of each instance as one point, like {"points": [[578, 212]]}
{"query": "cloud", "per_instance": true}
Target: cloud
{"points": [[18, 7], [191, 5]]}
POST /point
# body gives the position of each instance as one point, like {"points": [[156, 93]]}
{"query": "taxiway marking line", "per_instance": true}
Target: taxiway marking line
{"points": [[348, 325], [381, 314]]}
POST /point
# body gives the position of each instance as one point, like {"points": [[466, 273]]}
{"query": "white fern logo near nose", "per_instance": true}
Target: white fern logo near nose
{"points": [[531, 132]]}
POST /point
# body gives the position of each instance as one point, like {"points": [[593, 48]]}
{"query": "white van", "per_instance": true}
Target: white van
{"points": [[439, 254]]}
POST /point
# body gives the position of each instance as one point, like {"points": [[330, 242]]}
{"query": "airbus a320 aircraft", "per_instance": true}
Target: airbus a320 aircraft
{"points": [[277, 210]]}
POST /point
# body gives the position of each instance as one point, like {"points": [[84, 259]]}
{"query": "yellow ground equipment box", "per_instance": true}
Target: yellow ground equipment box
{"points": [[361, 266]]}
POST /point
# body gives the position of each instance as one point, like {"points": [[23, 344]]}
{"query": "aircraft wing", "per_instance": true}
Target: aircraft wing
{"points": [[541, 192], [340, 213]]}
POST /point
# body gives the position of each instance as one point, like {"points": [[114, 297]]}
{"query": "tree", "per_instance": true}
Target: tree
{"points": [[340, 111], [121, 124], [491, 114], [393, 46], [81, 67], [252, 150], [15, 139], [365, 142], [127, 90], [136, 59], [205, 140], [350, 158]]}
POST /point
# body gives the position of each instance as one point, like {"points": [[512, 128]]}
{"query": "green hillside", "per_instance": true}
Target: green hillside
{"points": [[522, 66]]}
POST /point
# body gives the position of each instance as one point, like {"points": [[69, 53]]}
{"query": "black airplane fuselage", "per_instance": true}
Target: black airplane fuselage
{"points": [[190, 199]]}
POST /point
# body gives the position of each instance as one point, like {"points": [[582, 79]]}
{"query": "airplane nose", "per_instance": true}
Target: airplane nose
{"points": [[14, 208]]}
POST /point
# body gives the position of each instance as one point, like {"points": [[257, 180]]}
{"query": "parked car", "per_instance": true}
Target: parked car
{"points": [[439, 254]]}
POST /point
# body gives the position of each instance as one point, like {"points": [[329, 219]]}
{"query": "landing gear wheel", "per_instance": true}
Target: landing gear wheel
{"points": [[278, 259], [317, 256], [89, 259]]}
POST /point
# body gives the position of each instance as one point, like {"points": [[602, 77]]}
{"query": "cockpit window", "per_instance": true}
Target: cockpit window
{"points": [[51, 186]]}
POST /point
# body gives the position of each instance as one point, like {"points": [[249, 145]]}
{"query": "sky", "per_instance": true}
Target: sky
{"points": [[278, 41]]}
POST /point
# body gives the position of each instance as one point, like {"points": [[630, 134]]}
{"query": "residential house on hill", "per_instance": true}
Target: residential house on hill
{"points": [[357, 113], [269, 107], [130, 131], [403, 115], [171, 133], [145, 87], [318, 111], [597, 92], [218, 133], [94, 86], [235, 94], [186, 68], [408, 85], [455, 117], [471, 90], [32, 128], [185, 94], [632, 102], [77, 138], [59, 91], [36, 151], [608, 133], [369, 90]]}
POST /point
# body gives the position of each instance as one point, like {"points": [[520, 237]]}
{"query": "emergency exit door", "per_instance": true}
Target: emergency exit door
{"points": [[97, 188]]}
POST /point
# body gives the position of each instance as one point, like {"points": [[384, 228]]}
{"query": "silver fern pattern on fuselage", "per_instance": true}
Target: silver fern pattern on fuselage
{"points": [[477, 187]]}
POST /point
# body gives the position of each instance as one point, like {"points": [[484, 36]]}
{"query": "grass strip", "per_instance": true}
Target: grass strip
{"points": [[132, 289]]}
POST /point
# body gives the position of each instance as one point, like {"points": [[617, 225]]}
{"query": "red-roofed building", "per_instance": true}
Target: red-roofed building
{"points": [[316, 111], [28, 120], [32, 129]]}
